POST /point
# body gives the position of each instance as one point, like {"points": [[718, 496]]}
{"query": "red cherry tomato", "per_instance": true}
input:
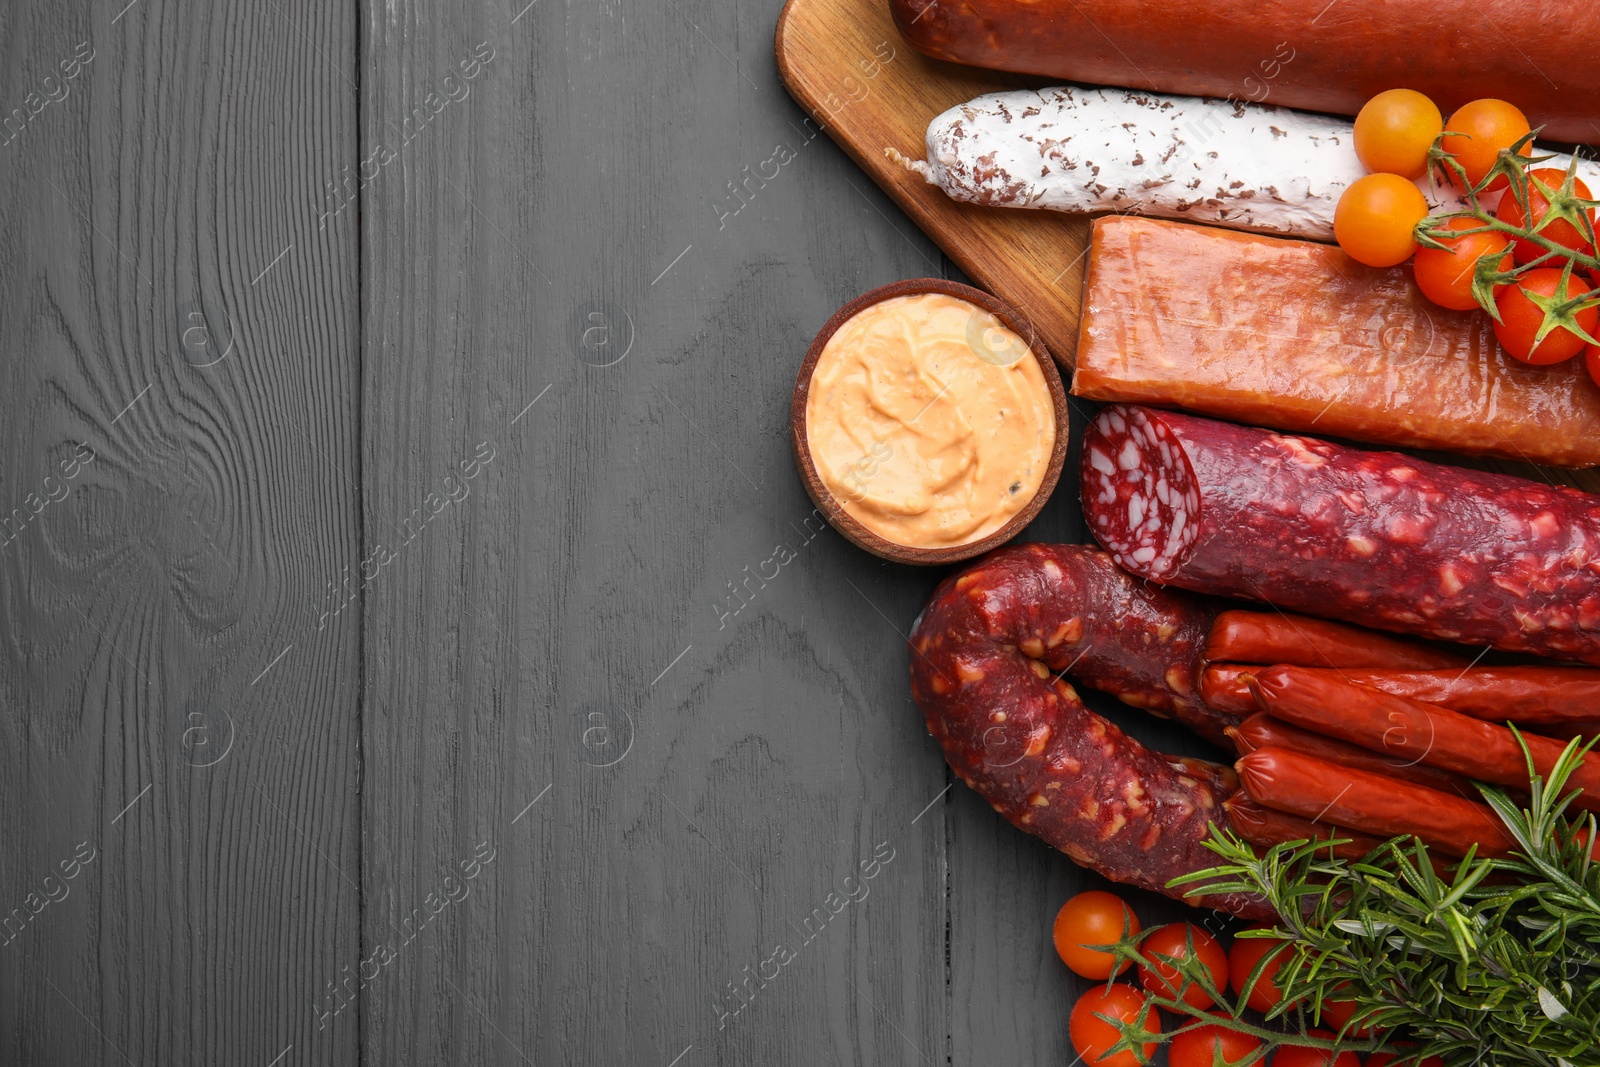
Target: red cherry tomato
{"points": [[1302, 1056], [1560, 231], [1163, 979], [1445, 277], [1245, 954], [1375, 217], [1336, 1013], [1521, 318], [1394, 131], [1591, 359], [1093, 918], [1484, 127], [1207, 1046], [1091, 1037]]}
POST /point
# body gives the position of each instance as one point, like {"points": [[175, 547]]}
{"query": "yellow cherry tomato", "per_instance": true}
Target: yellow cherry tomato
{"points": [[1394, 131], [1375, 219], [1478, 131]]}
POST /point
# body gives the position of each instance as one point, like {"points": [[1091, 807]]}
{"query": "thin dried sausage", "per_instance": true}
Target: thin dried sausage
{"points": [[1377, 538], [987, 659], [1326, 792], [1269, 638], [1410, 730], [1226, 688], [1264, 827], [1561, 701], [1265, 731], [1532, 695]]}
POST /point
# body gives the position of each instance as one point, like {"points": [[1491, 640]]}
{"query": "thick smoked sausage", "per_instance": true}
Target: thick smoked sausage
{"points": [[987, 657], [1377, 538], [1344, 796], [1319, 56]]}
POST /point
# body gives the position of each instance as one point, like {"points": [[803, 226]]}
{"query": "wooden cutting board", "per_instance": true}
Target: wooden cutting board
{"points": [[848, 66]]}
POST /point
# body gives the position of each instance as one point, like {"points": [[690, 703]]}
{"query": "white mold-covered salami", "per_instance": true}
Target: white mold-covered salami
{"points": [[1246, 166]]}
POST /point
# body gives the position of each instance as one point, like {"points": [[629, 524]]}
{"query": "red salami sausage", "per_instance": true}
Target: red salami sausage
{"points": [[1265, 827], [1264, 731], [1326, 792], [1410, 730], [987, 657], [1272, 637], [1318, 55], [1377, 538]]}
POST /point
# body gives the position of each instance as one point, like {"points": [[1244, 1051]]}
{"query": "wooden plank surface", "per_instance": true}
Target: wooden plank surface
{"points": [[709, 755], [848, 66], [176, 729], [439, 661]]}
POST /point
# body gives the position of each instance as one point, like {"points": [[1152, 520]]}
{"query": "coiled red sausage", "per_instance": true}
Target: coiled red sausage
{"points": [[987, 659]]}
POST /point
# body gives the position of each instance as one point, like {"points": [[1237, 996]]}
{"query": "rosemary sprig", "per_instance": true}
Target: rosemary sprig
{"points": [[1494, 962]]}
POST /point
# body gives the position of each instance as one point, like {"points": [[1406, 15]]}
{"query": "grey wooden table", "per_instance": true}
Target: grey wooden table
{"points": [[394, 476]]}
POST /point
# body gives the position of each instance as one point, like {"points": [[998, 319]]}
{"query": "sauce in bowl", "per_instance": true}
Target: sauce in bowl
{"points": [[930, 421]]}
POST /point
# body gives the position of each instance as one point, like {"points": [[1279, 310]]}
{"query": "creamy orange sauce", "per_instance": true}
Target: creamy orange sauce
{"points": [[929, 421]]}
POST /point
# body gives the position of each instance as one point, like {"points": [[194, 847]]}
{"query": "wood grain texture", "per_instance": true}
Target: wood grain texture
{"points": [[718, 763], [440, 487], [848, 66], [170, 707]]}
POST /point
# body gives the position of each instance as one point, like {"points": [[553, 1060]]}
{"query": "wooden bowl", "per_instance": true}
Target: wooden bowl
{"points": [[828, 504]]}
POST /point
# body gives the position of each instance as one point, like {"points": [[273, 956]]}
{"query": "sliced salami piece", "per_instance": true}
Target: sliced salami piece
{"points": [[1376, 538]]}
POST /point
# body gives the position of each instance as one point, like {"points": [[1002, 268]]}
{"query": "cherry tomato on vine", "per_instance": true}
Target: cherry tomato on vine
{"points": [[1445, 277], [1206, 1046], [1394, 131], [1591, 360], [1303, 1056], [1521, 318], [1560, 231], [1483, 128], [1374, 219], [1244, 954], [1093, 918], [1335, 1013], [1164, 979], [1091, 1037]]}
